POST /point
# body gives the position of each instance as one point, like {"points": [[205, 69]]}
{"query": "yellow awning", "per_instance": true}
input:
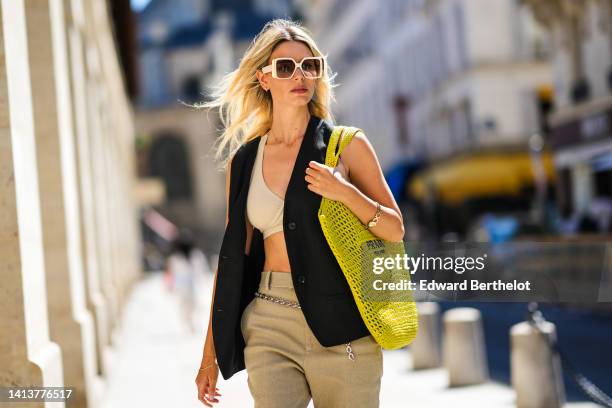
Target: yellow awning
{"points": [[479, 175]]}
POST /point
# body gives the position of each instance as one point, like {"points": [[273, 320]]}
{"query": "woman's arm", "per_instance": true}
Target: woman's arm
{"points": [[367, 185]]}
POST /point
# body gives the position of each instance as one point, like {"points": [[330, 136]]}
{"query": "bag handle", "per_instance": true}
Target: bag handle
{"points": [[342, 135]]}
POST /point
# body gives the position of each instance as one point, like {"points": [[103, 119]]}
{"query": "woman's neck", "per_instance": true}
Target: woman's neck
{"points": [[288, 125]]}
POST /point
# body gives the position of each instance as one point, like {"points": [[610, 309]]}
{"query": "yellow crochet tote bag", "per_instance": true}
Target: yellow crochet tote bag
{"points": [[390, 315]]}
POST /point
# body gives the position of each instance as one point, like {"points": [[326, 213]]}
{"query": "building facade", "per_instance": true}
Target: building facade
{"points": [[431, 78], [69, 239], [581, 123]]}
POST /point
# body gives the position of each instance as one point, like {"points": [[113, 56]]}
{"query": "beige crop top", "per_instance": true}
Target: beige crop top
{"points": [[264, 207]]}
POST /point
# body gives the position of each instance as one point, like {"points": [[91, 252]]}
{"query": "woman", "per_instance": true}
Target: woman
{"points": [[282, 308]]}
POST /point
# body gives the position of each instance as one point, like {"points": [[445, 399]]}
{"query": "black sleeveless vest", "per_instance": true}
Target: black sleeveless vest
{"points": [[320, 286]]}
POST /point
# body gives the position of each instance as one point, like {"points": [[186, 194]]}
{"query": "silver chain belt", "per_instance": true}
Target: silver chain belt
{"points": [[296, 305], [278, 300]]}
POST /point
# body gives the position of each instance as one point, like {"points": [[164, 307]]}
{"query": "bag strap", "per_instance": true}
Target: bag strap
{"points": [[341, 135]]}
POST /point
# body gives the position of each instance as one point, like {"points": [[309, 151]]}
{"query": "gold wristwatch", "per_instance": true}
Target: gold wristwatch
{"points": [[374, 221]]}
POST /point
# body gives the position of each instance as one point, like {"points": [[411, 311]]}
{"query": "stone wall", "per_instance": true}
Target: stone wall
{"points": [[69, 238]]}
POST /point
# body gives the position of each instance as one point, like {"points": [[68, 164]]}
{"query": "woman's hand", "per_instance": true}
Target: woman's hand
{"points": [[329, 182], [366, 186], [206, 382]]}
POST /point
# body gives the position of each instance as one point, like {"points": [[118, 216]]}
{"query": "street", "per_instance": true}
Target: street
{"points": [[156, 359]]}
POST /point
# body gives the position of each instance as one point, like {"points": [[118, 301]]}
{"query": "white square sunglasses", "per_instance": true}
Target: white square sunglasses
{"points": [[285, 67]]}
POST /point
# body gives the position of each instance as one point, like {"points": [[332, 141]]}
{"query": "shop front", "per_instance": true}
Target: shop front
{"points": [[581, 141]]}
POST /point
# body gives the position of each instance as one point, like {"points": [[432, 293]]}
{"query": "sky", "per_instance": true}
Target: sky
{"points": [[138, 5]]}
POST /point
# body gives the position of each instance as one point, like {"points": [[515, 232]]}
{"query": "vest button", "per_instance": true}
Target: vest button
{"points": [[291, 225], [301, 279]]}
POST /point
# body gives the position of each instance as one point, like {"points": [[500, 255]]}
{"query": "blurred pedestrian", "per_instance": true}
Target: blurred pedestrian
{"points": [[186, 265], [601, 211]]}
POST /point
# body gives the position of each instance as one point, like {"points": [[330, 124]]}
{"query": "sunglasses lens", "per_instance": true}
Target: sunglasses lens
{"points": [[284, 68], [312, 67]]}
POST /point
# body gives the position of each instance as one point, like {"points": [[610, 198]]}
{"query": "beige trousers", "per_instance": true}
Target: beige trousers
{"points": [[287, 366]]}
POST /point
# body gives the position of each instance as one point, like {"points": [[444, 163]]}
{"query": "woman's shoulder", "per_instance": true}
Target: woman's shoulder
{"points": [[355, 149], [245, 148], [237, 163], [357, 135], [238, 158]]}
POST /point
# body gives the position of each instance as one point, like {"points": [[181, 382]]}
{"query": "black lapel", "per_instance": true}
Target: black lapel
{"points": [[296, 181]]}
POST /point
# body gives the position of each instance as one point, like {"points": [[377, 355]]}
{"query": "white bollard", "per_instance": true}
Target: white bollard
{"points": [[464, 347], [536, 370], [425, 349]]}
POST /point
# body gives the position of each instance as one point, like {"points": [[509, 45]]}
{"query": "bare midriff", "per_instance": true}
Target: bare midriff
{"points": [[275, 250], [277, 258]]}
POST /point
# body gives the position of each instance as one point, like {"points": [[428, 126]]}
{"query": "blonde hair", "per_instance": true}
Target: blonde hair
{"points": [[245, 108]]}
